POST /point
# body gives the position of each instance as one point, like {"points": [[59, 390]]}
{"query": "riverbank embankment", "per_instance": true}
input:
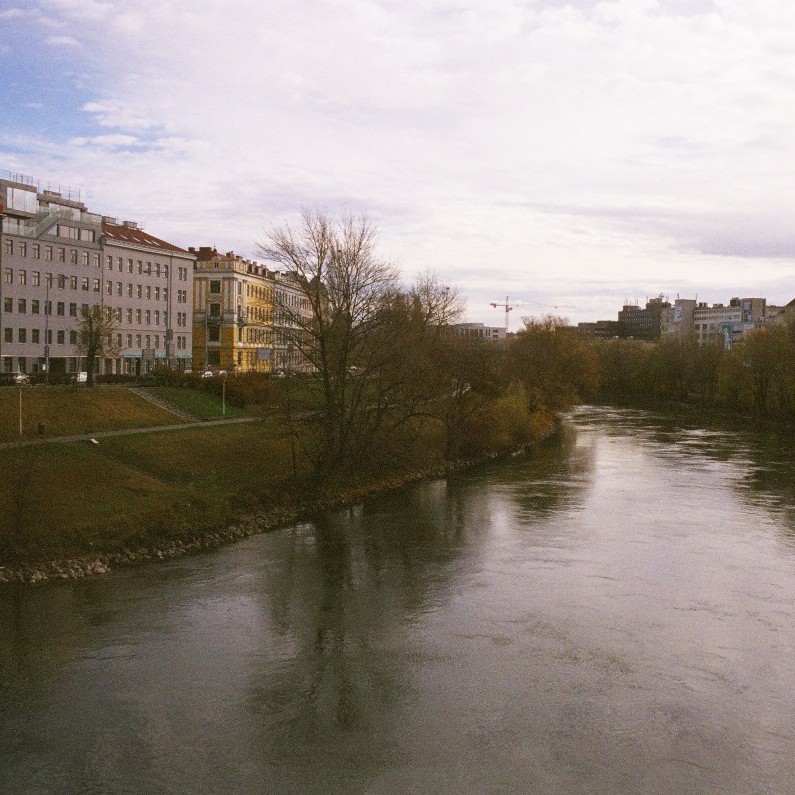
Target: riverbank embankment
{"points": [[249, 524]]}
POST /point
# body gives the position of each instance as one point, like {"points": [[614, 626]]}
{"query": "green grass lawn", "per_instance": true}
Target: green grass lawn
{"points": [[136, 489], [70, 410], [197, 402]]}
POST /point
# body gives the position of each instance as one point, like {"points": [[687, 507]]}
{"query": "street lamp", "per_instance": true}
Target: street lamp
{"points": [[2, 279]]}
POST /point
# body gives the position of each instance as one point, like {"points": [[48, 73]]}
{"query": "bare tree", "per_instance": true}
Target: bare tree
{"points": [[343, 328], [95, 331]]}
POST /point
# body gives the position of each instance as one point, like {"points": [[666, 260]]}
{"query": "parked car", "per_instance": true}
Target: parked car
{"points": [[14, 378]]}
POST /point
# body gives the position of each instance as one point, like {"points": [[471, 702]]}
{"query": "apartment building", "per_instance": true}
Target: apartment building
{"points": [[57, 258], [246, 316], [233, 312], [717, 324], [478, 331]]}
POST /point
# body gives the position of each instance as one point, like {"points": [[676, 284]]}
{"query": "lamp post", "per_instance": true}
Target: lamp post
{"points": [[46, 331], [2, 279]]}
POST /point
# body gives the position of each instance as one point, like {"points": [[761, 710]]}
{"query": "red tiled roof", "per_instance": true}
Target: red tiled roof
{"points": [[126, 234]]}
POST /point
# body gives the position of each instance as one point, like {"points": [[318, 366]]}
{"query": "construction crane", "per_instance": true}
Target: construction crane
{"points": [[508, 308]]}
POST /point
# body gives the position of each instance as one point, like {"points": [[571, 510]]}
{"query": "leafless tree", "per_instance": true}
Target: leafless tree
{"points": [[340, 328], [95, 331]]}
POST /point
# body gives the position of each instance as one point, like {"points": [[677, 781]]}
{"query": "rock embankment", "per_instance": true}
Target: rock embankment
{"points": [[252, 524]]}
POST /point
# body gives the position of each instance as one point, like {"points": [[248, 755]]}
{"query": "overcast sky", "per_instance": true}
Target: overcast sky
{"points": [[563, 153]]}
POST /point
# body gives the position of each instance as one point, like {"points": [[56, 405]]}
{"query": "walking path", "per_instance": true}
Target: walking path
{"points": [[149, 396], [86, 437]]}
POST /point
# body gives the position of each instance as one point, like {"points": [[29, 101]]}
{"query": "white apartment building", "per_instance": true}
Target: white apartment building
{"points": [[57, 259]]}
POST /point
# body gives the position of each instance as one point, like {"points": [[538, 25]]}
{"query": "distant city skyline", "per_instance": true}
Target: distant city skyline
{"points": [[575, 153]]}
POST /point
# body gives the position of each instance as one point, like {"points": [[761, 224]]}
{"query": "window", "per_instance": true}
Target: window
{"points": [[129, 340], [157, 317], [110, 263], [213, 357], [22, 306], [120, 263], [60, 308], [138, 291], [109, 288], [138, 316], [60, 337], [215, 286], [72, 310], [34, 306], [84, 258], [36, 278], [148, 316], [48, 337], [118, 340], [48, 280], [129, 316], [157, 293], [34, 335], [61, 254], [8, 335], [73, 282], [35, 250], [129, 266], [97, 286], [23, 249], [157, 340], [140, 266], [8, 304], [22, 335], [95, 259], [137, 340], [215, 310], [165, 293], [48, 307], [129, 290], [84, 283], [61, 281], [214, 334], [119, 288], [87, 234], [73, 256], [148, 341], [8, 246], [148, 291], [8, 275], [73, 338], [117, 314]]}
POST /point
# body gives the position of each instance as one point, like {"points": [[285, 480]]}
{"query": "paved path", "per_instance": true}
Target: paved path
{"points": [[84, 437]]}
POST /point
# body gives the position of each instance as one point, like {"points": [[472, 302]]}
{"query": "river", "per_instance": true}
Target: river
{"points": [[615, 614]]}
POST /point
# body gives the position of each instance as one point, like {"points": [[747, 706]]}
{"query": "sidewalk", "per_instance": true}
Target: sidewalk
{"points": [[27, 441]]}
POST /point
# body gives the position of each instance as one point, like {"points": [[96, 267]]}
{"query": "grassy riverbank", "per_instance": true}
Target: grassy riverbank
{"points": [[64, 500]]}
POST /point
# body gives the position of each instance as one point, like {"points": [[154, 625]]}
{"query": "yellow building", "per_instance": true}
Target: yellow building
{"points": [[233, 301]]}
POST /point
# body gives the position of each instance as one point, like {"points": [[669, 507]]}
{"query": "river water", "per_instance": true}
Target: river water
{"points": [[613, 615]]}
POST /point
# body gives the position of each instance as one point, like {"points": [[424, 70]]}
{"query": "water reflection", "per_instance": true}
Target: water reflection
{"points": [[612, 614]]}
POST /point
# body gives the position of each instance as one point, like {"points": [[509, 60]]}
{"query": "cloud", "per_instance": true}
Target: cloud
{"points": [[61, 41], [118, 114], [107, 141], [639, 140]]}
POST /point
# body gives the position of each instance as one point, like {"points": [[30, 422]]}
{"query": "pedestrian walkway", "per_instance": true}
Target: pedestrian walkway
{"points": [[155, 400], [27, 441]]}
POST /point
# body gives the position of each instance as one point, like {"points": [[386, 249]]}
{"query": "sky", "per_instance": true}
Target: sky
{"points": [[570, 155]]}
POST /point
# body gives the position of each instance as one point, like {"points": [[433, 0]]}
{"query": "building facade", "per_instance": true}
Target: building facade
{"points": [[147, 286], [478, 331], [718, 324], [233, 310], [58, 260]]}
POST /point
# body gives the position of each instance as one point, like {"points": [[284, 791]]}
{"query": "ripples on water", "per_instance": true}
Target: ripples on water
{"points": [[614, 614]]}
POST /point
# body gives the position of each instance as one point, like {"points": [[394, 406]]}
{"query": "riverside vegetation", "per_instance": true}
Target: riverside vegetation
{"points": [[393, 396]]}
